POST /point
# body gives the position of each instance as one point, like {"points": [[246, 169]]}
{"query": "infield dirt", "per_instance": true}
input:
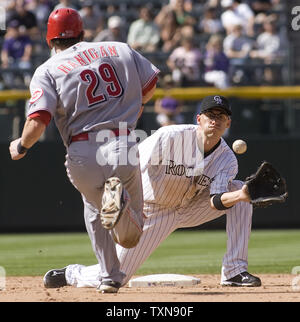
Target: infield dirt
{"points": [[275, 288]]}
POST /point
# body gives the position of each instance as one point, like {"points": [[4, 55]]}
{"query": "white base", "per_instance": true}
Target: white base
{"points": [[164, 280]]}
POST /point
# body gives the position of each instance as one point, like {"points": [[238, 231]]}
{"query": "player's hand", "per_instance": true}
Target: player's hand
{"points": [[245, 194], [15, 155]]}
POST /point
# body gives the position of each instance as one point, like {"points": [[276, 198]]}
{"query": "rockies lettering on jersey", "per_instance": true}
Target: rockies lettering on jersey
{"points": [[180, 170], [170, 178]]}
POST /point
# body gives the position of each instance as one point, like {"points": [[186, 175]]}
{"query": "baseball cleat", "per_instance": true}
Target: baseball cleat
{"points": [[113, 203], [243, 279], [109, 287], [55, 278]]}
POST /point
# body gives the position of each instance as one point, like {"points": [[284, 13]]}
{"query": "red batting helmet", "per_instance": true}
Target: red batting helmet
{"points": [[64, 23]]}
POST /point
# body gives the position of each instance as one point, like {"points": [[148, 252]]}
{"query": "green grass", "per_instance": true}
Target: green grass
{"points": [[195, 252], [184, 252], [34, 254]]}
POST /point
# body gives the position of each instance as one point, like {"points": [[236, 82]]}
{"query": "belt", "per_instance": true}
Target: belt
{"points": [[84, 136]]}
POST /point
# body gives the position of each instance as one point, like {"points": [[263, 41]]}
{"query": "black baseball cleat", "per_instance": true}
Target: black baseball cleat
{"points": [[243, 279], [55, 278], [109, 287]]}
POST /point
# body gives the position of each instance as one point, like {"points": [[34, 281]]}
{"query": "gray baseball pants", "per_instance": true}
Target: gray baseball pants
{"points": [[88, 173]]}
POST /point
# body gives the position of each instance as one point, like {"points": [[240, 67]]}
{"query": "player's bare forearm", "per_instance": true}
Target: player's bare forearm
{"points": [[231, 198], [33, 129]]}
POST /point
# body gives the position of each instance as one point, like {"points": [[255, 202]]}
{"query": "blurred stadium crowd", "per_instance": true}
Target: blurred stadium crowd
{"points": [[217, 43]]}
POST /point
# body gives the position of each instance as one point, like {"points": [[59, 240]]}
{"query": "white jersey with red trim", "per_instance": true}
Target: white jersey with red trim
{"points": [[92, 86]]}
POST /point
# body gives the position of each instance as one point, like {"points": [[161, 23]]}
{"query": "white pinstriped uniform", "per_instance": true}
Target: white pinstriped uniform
{"points": [[177, 193]]}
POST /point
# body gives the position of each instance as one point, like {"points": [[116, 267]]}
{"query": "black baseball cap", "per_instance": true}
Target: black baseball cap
{"points": [[215, 101]]}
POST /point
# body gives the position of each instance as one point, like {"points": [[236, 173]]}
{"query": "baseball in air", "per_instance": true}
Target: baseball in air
{"points": [[239, 146]]}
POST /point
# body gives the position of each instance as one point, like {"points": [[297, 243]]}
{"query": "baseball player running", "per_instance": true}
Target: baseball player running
{"points": [[188, 176], [88, 88]]}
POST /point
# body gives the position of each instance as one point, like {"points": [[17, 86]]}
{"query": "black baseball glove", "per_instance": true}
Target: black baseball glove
{"points": [[266, 186]]}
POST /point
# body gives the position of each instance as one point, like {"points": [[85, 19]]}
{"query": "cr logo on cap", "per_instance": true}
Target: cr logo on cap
{"points": [[218, 99]]}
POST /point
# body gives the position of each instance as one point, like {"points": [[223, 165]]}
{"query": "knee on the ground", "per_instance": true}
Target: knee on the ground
{"points": [[128, 241]]}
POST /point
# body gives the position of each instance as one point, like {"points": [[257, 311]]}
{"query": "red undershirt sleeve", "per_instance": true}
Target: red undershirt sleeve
{"points": [[44, 116], [149, 86]]}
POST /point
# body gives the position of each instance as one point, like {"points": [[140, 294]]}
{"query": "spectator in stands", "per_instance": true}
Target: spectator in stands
{"points": [[267, 48], [9, 6], [237, 47], [210, 23], [16, 54], [115, 8], [267, 45], [25, 18], [237, 13], [170, 32], [216, 63], [65, 4], [184, 63], [114, 32], [42, 10], [189, 5], [144, 34], [183, 17], [262, 11], [212, 3], [277, 4], [93, 21], [168, 109], [260, 6]]}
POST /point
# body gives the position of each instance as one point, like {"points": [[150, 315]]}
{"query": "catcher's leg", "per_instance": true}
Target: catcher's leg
{"points": [[238, 228]]}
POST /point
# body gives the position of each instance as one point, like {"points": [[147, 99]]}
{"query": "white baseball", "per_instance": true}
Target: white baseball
{"points": [[239, 146]]}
